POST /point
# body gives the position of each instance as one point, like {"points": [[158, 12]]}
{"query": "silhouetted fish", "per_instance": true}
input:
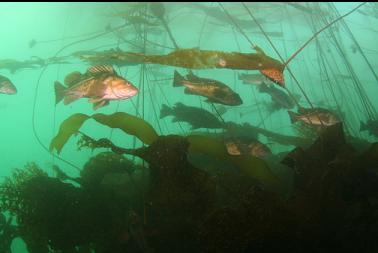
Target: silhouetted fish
{"points": [[215, 91], [196, 117]]}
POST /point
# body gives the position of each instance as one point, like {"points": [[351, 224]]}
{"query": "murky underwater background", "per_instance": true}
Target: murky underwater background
{"points": [[331, 70]]}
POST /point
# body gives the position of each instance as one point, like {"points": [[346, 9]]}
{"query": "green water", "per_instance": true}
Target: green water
{"points": [[30, 118]]}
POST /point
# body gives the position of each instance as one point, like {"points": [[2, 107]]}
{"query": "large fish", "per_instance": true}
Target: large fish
{"points": [[100, 84], [6, 86], [215, 91], [196, 117], [314, 117]]}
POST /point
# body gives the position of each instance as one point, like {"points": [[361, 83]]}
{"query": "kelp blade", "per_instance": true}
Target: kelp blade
{"points": [[129, 124], [126, 122], [69, 127], [249, 165]]}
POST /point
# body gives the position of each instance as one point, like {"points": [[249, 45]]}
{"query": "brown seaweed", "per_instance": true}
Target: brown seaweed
{"points": [[195, 58], [251, 166], [124, 121], [69, 127]]}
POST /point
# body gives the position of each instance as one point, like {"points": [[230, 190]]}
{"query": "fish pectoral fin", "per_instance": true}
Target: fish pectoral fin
{"points": [[69, 98], [94, 100], [100, 104], [209, 100]]}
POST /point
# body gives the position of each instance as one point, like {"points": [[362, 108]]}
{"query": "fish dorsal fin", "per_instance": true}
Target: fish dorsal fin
{"points": [[101, 69], [191, 76], [258, 49], [100, 104], [72, 78]]}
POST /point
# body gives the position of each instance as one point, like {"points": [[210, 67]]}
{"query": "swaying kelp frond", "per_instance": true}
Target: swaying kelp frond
{"points": [[69, 127], [124, 121], [129, 124]]}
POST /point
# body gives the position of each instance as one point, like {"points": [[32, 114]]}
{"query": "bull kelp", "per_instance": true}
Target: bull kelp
{"points": [[188, 127]]}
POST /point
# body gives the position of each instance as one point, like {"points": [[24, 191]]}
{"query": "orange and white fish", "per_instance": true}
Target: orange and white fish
{"points": [[100, 84]]}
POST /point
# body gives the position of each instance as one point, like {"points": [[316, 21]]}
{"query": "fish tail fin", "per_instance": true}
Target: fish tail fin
{"points": [[59, 91], [263, 88], [272, 107], [293, 116], [177, 79], [363, 126], [165, 111]]}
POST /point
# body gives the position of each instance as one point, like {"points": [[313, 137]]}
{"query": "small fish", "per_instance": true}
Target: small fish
{"points": [[246, 146], [32, 43], [315, 117], [100, 84], [255, 79], [214, 91], [6, 86], [196, 117], [218, 14], [13, 65], [278, 96], [371, 126]]}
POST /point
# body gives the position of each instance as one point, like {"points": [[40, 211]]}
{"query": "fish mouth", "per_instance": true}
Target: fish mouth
{"points": [[133, 92], [127, 93], [237, 101]]}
